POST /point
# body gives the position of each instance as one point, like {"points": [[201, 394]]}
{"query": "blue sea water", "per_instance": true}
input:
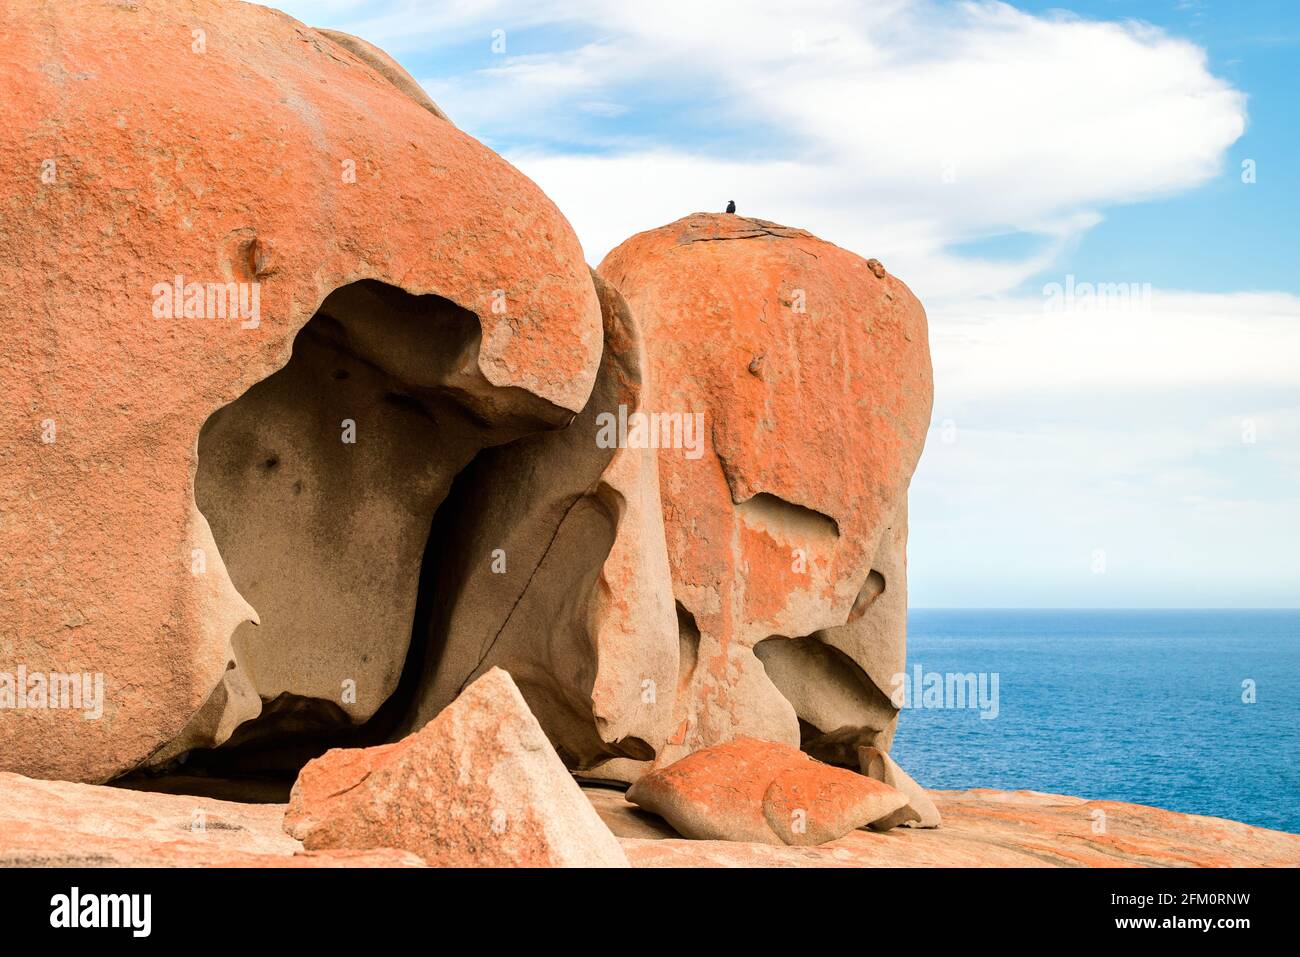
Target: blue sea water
{"points": [[1138, 706]]}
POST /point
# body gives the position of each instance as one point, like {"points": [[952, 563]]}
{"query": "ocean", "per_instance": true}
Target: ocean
{"points": [[1138, 706]]}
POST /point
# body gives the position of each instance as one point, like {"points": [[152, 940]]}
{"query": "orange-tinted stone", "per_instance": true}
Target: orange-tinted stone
{"points": [[478, 786], [757, 791], [218, 142], [811, 370]]}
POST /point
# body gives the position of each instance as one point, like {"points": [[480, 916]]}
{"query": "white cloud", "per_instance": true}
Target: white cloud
{"points": [[894, 128], [897, 129], [1154, 341], [1167, 438]]}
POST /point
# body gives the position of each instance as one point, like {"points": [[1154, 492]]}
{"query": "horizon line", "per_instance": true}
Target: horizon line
{"points": [[912, 608]]}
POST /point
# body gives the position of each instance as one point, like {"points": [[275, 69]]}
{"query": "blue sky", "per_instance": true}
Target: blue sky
{"points": [[1137, 451]]}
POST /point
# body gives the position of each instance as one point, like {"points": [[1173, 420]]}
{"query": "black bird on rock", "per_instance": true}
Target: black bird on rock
{"points": [[731, 205]]}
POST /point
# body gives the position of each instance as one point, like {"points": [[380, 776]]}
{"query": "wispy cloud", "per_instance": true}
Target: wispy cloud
{"points": [[911, 130], [900, 128], [1150, 341]]}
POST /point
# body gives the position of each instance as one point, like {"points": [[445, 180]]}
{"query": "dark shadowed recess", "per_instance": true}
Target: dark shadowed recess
{"points": [[338, 544]]}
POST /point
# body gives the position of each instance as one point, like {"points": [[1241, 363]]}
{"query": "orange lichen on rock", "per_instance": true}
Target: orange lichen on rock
{"points": [[150, 154], [812, 373], [479, 785], [757, 791], [981, 828]]}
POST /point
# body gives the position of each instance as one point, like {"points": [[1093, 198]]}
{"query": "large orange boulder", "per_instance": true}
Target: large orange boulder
{"points": [[184, 185], [805, 370], [750, 790]]}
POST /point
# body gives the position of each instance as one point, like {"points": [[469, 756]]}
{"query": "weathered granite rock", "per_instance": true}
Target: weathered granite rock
{"points": [[62, 824], [919, 810], [873, 639], [385, 66], [624, 818], [479, 785], [785, 523], [553, 567], [50, 823], [202, 143], [982, 828], [757, 791]]}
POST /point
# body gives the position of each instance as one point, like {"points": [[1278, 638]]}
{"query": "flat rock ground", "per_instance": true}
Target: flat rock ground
{"points": [[55, 823]]}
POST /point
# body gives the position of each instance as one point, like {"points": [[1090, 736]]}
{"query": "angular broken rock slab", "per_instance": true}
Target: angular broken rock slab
{"points": [[478, 786], [919, 811], [758, 791]]}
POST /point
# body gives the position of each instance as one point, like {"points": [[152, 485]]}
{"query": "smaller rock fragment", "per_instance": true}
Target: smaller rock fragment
{"points": [[759, 791], [478, 786]]}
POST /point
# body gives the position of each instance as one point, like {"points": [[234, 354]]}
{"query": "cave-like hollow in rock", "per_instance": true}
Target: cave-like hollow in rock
{"points": [[350, 494]]}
